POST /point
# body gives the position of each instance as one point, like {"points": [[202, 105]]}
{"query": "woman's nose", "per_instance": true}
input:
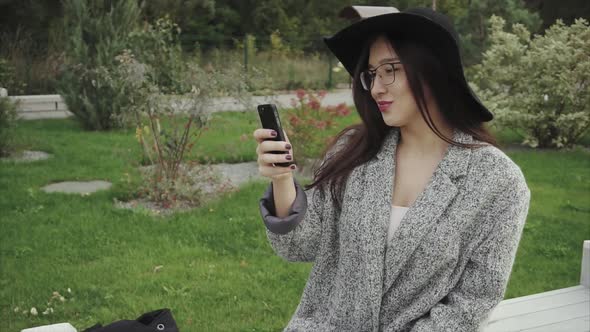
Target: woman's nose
{"points": [[378, 87]]}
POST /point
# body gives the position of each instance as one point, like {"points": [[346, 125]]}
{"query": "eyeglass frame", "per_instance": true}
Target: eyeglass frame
{"points": [[373, 73]]}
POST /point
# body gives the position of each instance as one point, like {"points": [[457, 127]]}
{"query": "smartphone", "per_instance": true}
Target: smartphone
{"points": [[269, 118]]}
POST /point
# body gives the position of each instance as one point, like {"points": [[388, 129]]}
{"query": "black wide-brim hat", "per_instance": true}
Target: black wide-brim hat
{"points": [[432, 28]]}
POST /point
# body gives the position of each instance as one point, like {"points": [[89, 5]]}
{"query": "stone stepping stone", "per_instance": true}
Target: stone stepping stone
{"points": [[77, 187], [239, 173]]}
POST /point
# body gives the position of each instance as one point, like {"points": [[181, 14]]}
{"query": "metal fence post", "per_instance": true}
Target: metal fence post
{"points": [[246, 54], [329, 72]]}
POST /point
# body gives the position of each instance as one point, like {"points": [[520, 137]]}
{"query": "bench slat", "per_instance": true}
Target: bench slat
{"points": [[573, 325], [529, 304], [541, 318]]}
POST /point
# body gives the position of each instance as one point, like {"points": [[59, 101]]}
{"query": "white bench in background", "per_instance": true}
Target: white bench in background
{"points": [[561, 310], [41, 106]]}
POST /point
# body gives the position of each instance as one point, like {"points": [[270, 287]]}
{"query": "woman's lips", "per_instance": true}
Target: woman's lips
{"points": [[384, 105]]}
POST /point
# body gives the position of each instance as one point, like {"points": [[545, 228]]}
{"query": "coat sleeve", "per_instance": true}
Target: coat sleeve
{"points": [[296, 237], [484, 280]]}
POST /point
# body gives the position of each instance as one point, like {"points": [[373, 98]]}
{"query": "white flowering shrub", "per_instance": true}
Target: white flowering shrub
{"points": [[539, 85]]}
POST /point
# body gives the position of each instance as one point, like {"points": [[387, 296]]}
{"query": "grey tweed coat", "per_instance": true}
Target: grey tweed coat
{"points": [[447, 265]]}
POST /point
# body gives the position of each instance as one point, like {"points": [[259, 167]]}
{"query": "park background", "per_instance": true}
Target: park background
{"points": [[140, 78]]}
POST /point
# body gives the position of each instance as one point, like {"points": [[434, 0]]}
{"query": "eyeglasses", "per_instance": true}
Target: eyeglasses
{"points": [[385, 73]]}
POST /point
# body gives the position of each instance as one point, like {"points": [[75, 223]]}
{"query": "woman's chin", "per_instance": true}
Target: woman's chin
{"points": [[391, 122]]}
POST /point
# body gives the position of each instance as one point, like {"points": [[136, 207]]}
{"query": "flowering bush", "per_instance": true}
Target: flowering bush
{"points": [[308, 121], [539, 85]]}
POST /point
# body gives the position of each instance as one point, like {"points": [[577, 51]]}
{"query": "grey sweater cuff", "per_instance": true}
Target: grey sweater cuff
{"points": [[296, 212]]}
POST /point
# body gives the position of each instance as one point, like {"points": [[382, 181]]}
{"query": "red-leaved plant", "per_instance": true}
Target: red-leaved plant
{"points": [[309, 123]]}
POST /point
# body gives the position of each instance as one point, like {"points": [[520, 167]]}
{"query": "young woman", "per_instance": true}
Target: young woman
{"points": [[414, 216]]}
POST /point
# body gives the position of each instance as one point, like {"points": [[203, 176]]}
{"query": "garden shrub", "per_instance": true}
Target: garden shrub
{"points": [[538, 85], [91, 83], [158, 46], [8, 78], [7, 122], [168, 127]]}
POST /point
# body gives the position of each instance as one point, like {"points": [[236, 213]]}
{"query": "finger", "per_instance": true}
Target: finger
{"points": [[271, 158], [267, 146], [262, 134], [270, 171]]}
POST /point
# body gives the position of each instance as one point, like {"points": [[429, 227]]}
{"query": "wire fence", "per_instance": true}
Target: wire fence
{"points": [[285, 66]]}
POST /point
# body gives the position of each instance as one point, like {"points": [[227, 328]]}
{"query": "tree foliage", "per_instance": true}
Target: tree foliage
{"points": [[301, 24], [539, 84], [207, 24], [566, 10], [39, 19], [472, 18]]}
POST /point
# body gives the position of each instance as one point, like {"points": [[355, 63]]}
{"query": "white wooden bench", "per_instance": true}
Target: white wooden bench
{"points": [[41, 106], [562, 310]]}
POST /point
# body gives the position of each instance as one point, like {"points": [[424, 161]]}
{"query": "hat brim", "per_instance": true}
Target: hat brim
{"points": [[348, 44]]}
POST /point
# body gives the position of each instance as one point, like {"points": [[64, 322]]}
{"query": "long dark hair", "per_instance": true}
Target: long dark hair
{"points": [[364, 140]]}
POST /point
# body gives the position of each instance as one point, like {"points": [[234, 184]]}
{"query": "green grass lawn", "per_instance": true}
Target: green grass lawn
{"points": [[217, 272]]}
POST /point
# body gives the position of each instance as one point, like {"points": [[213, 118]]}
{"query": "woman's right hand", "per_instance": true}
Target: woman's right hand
{"points": [[266, 159]]}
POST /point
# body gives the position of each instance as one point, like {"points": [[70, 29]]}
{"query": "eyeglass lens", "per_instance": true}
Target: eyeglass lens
{"points": [[385, 73]]}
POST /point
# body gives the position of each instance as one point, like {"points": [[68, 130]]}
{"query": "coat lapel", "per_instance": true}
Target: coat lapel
{"points": [[425, 211]]}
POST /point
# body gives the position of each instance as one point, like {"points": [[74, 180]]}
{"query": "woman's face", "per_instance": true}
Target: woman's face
{"points": [[395, 101]]}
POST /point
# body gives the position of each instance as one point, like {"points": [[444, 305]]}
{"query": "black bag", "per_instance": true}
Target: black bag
{"points": [[155, 321]]}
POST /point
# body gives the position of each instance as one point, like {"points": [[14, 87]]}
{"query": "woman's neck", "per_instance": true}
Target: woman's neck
{"points": [[417, 139]]}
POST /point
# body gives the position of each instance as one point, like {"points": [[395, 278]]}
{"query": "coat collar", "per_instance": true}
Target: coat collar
{"points": [[454, 163], [424, 212]]}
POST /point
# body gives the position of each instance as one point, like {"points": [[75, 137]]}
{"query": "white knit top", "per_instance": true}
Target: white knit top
{"points": [[397, 213]]}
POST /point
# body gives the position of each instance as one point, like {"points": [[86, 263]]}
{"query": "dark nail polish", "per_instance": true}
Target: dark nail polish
{"points": [[288, 146], [288, 157], [292, 166], [273, 133]]}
